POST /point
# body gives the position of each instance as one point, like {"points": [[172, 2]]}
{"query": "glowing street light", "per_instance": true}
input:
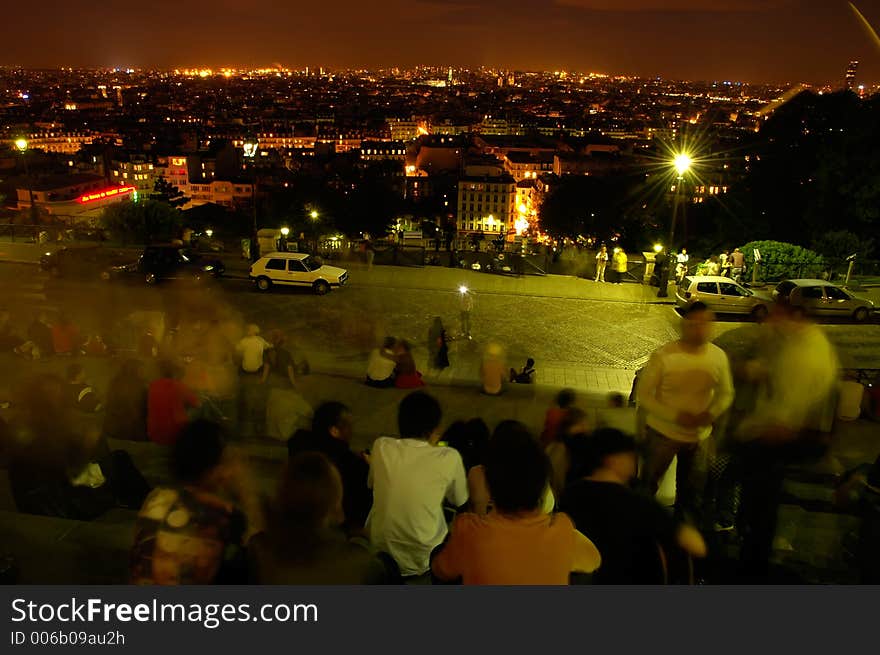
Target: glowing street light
{"points": [[21, 144], [285, 231], [250, 148], [314, 215], [658, 247], [682, 163], [209, 233]]}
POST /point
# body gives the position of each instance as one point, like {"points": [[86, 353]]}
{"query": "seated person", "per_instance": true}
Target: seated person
{"points": [[407, 375], [82, 395], [8, 339], [331, 435], [189, 532], [65, 337], [516, 543], [381, 365], [492, 370], [526, 374], [303, 543], [626, 527], [411, 478], [39, 343], [555, 415]]}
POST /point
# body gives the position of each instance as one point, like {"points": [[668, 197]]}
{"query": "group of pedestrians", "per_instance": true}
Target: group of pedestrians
{"points": [[619, 264]]}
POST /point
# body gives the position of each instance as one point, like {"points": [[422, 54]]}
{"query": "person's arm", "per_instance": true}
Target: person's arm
{"points": [[457, 492], [447, 564], [690, 540], [723, 398], [586, 556], [647, 388], [291, 375], [478, 491]]}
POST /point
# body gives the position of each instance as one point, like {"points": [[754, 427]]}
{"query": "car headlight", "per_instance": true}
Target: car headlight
{"points": [[209, 267]]}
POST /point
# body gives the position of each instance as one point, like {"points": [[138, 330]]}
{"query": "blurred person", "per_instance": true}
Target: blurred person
{"points": [[737, 264], [552, 419], [286, 409], [796, 375], [724, 264], [681, 267], [192, 531], [575, 425], [684, 389], [39, 343], [169, 401], [95, 346], [252, 350], [516, 543], [601, 263], [860, 488], [661, 271], [617, 415], [9, 341], [60, 468], [411, 478], [82, 395], [125, 415], [331, 433], [406, 375], [620, 264], [466, 306], [66, 339], [381, 365], [493, 370], [438, 347], [526, 374], [303, 543], [280, 361], [626, 527]]}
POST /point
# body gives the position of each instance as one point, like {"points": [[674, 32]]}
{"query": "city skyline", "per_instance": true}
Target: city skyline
{"points": [[744, 40]]}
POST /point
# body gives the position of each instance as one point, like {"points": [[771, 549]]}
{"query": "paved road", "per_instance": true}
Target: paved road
{"points": [[539, 317]]}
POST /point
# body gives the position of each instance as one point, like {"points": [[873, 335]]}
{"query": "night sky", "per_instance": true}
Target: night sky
{"points": [[752, 40]]}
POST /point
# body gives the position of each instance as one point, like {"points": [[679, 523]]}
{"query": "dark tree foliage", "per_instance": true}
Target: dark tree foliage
{"points": [[141, 222], [164, 191]]}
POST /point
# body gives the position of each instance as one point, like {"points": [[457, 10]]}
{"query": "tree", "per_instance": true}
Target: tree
{"points": [[141, 222], [164, 191], [781, 260]]}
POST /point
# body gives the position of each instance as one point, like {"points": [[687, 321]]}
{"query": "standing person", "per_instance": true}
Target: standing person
{"points": [[125, 416], [661, 270], [601, 263], [516, 543], [286, 409], [737, 264], [466, 304], [252, 348], [626, 527], [254, 372], [370, 253], [411, 478], [620, 265], [303, 544], [193, 531], [168, 403], [681, 267], [724, 264], [331, 434], [796, 377], [684, 389], [381, 365], [435, 343]]}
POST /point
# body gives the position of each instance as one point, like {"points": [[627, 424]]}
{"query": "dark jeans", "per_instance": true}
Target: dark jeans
{"points": [[387, 383], [763, 468], [688, 473]]}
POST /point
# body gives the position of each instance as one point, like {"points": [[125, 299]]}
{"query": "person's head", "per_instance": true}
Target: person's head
{"points": [[604, 248], [75, 373], [608, 451], [332, 419], [470, 439], [574, 422], [197, 457], [565, 398], [517, 470], [418, 417], [402, 346], [309, 494], [616, 400], [696, 325], [530, 363], [388, 343], [167, 368], [684, 251], [736, 250], [252, 330], [277, 338]]}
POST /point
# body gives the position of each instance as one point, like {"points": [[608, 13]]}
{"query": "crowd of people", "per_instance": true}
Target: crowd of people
{"points": [[469, 504]]}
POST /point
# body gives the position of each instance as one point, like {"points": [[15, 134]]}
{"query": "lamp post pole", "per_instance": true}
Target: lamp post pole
{"points": [[22, 146]]}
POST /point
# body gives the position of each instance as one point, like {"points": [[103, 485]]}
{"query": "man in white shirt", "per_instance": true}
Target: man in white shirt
{"points": [[683, 390], [411, 477], [251, 349], [381, 364]]}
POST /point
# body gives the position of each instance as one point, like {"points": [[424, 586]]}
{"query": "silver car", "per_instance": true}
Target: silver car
{"points": [[722, 295], [822, 298]]}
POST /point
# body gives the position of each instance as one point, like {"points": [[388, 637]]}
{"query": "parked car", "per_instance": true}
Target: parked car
{"points": [[722, 295], [296, 269], [169, 262], [82, 262], [823, 298]]}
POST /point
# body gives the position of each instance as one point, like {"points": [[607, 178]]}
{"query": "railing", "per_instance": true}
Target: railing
{"points": [[50, 234]]}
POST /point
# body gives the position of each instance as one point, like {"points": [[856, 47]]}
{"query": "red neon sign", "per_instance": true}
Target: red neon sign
{"points": [[107, 193]]}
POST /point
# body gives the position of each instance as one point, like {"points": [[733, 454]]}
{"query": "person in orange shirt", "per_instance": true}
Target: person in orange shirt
{"points": [[555, 415], [516, 543]]}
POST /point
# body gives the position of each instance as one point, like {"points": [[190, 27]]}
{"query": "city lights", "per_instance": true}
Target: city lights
{"points": [[682, 163], [21, 144]]}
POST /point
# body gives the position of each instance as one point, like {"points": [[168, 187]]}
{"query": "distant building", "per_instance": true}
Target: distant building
{"points": [[487, 204], [76, 197], [225, 193], [137, 171], [525, 165], [67, 143], [383, 151], [403, 129], [850, 77]]}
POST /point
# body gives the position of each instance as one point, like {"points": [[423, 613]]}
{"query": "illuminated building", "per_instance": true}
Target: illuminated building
{"points": [[383, 151], [67, 143], [486, 203], [850, 77], [526, 166], [406, 129], [136, 172], [75, 197]]}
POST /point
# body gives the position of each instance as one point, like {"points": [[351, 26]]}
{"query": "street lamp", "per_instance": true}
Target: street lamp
{"points": [[250, 150], [284, 232], [314, 215], [682, 163], [22, 146], [209, 233]]}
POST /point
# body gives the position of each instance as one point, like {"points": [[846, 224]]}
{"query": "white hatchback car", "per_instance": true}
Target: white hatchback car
{"points": [[296, 269]]}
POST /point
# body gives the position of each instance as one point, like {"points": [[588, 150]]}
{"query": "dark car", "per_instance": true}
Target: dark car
{"points": [[83, 262], [159, 263]]}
